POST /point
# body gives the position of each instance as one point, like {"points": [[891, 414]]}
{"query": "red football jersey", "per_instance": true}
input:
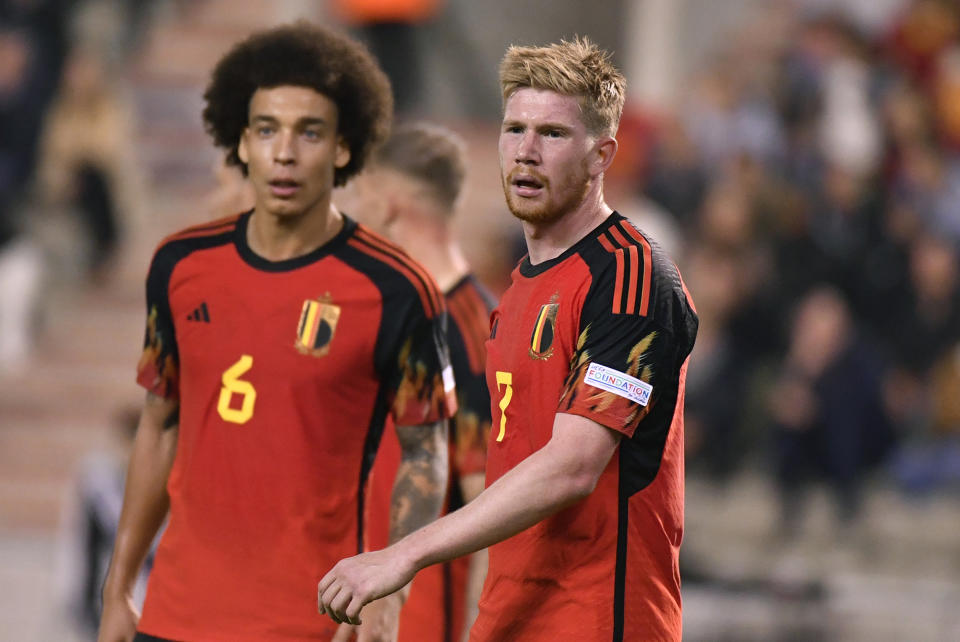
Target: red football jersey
{"points": [[286, 373], [434, 611], [602, 331]]}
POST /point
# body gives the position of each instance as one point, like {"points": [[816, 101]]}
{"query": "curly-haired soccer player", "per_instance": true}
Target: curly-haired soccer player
{"points": [[280, 343]]}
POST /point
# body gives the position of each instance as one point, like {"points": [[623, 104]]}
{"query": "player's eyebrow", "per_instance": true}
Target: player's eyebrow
{"points": [[551, 127], [306, 121], [311, 120]]}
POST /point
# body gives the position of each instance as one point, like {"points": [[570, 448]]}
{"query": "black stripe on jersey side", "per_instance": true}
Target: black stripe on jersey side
{"points": [[165, 259], [447, 602], [640, 459], [455, 501], [394, 286], [431, 292], [399, 254], [620, 568], [371, 444], [143, 637]]}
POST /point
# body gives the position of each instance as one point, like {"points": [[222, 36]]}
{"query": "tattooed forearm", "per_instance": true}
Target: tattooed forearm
{"points": [[421, 481]]}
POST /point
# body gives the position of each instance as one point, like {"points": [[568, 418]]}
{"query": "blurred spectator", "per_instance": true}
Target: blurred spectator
{"points": [[87, 154], [815, 151], [926, 324], [677, 180], [33, 46], [91, 515], [827, 408], [717, 376]]}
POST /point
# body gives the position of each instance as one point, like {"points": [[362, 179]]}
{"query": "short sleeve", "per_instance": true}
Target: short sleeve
{"points": [[621, 365], [471, 426], [420, 380], [159, 367]]}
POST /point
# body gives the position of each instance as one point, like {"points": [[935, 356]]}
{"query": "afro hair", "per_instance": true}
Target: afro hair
{"points": [[301, 55]]}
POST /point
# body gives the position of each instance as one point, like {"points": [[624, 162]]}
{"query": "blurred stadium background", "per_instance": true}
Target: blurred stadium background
{"points": [[800, 160]]}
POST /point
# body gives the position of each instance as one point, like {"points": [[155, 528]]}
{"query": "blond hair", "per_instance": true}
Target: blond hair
{"points": [[572, 68], [431, 154]]}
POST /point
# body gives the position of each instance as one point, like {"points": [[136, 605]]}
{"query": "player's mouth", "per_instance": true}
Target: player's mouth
{"points": [[526, 185], [284, 187]]}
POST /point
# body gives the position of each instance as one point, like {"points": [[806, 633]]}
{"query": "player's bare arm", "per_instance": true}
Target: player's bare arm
{"points": [[418, 492], [558, 475], [145, 505], [421, 480]]}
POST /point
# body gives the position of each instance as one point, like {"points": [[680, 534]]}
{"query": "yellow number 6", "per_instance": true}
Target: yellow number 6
{"points": [[504, 379], [233, 384]]}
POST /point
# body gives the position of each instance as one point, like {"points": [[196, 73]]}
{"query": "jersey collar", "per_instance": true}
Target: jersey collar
{"points": [[529, 270], [255, 260]]}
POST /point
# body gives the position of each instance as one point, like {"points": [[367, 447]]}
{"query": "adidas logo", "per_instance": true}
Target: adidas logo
{"points": [[200, 314]]}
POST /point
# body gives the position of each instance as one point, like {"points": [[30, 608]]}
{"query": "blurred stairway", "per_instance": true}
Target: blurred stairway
{"points": [[61, 404]]}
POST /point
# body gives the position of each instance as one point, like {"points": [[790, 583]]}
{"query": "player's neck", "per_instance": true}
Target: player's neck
{"points": [[434, 247], [550, 240], [279, 238]]}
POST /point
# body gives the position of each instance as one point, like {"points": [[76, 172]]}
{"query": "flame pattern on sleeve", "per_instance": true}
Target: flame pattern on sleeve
{"points": [[157, 370], [420, 397], [578, 395]]}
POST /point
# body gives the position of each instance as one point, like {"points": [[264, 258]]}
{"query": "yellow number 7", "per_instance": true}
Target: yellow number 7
{"points": [[504, 379]]}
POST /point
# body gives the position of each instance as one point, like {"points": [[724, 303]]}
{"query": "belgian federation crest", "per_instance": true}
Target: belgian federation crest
{"points": [[541, 340], [318, 324]]}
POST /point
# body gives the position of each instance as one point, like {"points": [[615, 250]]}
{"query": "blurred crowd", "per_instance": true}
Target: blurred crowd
{"points": [[807, 180], [812, 170], [66, 144]]}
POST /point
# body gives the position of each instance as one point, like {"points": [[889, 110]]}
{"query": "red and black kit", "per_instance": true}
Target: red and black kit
{"points": [[603, 331], [287, 373]]}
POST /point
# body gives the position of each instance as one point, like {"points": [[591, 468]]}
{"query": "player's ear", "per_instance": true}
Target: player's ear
{"points": [[605, 149], [343, 153], [242, 151]]}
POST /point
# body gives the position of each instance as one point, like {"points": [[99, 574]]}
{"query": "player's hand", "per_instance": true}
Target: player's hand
{"points": [[356, 581], [119, 620]]}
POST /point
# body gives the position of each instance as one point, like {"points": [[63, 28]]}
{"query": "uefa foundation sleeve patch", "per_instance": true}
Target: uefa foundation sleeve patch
{"points": [[618, 383]]}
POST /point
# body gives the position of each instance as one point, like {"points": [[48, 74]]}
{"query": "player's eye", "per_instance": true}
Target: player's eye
{"points": [[264, 130], [554, 133], [311, 134], [513, 129]]}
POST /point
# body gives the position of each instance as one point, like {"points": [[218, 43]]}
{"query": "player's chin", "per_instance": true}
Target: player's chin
{"points": [[531, 212], [285, 208]]}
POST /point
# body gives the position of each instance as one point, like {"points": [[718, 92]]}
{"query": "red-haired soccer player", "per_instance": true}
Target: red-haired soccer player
{"points": [[586, 362]]}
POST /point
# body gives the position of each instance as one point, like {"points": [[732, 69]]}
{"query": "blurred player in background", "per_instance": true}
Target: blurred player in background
{"points": [[90, 517], [586, 361], [411, 189], [278, 343]]}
